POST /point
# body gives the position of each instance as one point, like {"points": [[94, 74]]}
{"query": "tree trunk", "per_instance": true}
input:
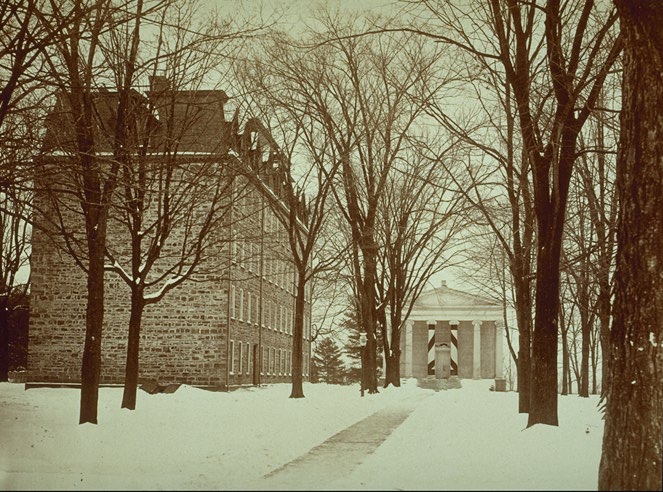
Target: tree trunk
{"points": [[550, 214], [604, 319], [133, 349], [594, 362], [392, 353], [4, 339], [565, 356], [297, 390], [367, 295], [523, 368], [586, 322], [543, 390], [370, 362], [632, 440], [393, 360], [91, 366]]}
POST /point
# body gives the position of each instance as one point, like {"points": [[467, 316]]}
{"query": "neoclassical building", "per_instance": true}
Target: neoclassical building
{"points": [[451, 333]]}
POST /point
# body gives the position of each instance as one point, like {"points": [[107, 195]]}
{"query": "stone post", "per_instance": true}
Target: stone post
{"points": [[442, 361]]}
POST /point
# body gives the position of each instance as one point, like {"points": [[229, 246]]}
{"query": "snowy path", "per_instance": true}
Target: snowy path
{"points": [[405, 438], [341, 453]]}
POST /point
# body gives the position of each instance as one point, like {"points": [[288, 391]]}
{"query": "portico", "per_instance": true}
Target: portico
{"points": [[453, 334]]}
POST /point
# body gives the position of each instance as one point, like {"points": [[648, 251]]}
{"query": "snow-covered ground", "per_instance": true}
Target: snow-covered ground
{"points": [[469, 438]]}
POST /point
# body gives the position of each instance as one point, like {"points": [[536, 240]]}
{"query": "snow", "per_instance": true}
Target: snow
{"points": [[162, 289], [460, 439]]}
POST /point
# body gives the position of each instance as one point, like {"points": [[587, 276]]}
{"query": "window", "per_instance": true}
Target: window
{"points": [[232, 356], [290, 362], [248, 358], [248, 306], [282, 366], [256, 302], [233, 247], [232, 301], [249, 255], [263, 360], [281, 318], [241, 304], [271, 360], [240, 358]]}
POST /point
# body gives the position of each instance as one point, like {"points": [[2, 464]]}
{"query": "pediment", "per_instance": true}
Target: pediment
{"points": [[446, 297]]}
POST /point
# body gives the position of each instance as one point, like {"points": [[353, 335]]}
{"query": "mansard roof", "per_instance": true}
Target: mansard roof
{"points": [[183, 121]]}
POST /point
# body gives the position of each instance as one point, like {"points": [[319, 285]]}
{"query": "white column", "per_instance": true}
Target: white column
{"points": [[476, 359], [408, 349], [498, 349]]}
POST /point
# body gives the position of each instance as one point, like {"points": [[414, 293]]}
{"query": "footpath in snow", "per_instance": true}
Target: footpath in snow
{"points": [[258, 438]]}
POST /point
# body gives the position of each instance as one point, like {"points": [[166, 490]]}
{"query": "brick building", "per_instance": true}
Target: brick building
{"points": [[232, 322]]}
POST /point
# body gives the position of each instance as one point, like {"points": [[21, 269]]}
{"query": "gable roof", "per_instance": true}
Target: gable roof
{"points": [[445, 297]]}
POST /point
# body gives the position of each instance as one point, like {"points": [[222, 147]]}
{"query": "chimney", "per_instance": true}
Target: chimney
{"points": [[159, 83], [443, 283]]}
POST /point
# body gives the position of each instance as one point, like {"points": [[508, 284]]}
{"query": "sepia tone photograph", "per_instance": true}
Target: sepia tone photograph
{"points": [[331, 245]]}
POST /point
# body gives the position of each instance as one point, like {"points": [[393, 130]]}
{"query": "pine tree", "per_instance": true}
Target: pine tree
{"points": [[329, 367], [352, 349]]}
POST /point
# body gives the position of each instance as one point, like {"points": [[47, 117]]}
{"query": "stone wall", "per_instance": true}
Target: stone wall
{"points": [[185, 338]]}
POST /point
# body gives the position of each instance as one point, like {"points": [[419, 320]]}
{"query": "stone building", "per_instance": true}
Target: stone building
{"points": [[232, 323], [453, 334]]}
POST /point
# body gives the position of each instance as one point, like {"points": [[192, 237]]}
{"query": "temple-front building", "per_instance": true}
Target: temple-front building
{"points": [[453, 334]]}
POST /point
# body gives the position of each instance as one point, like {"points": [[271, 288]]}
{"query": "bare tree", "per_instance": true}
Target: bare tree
{"points": [[15, 249], [376, 91], [89, 172], [170, 208], [419, 218], [285, 86], [577, 46], [497, 162], [21, 95], [631, 456]]}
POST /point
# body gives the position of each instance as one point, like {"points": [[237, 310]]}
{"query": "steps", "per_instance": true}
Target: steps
{"points": [[439, 384]]}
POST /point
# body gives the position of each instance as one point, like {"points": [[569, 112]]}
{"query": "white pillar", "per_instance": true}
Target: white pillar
{"points": [[476, 359], [499, 374], [408, 348]]}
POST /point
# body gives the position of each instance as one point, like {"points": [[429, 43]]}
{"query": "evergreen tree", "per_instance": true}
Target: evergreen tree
{"points": [[329, 367], [352, 350]]}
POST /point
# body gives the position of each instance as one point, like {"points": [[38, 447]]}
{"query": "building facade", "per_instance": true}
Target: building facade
{"points": [[231, 323], [451, 333]]}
